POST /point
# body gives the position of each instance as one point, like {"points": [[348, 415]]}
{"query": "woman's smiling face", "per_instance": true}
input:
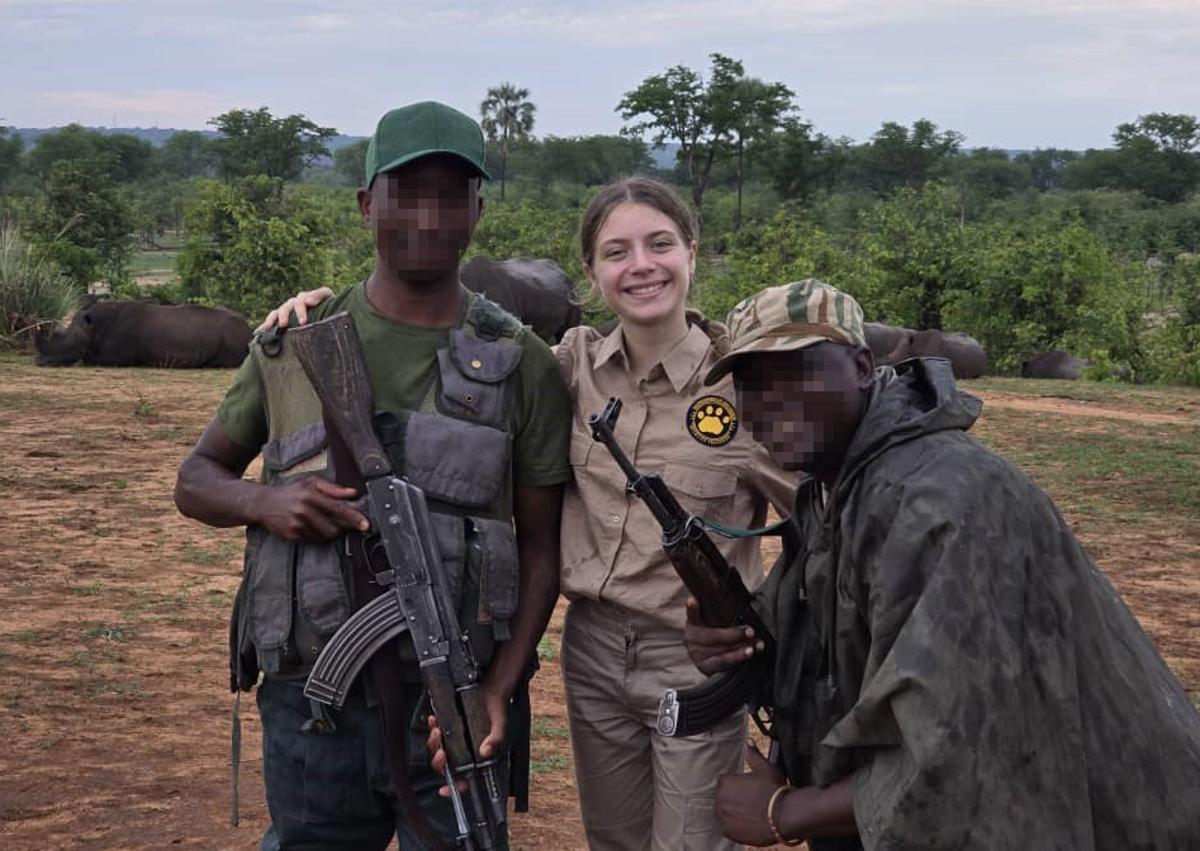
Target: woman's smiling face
{"points": [[642, 265]]}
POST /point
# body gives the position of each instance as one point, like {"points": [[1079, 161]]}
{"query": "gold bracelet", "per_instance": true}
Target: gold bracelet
{"points": [[771, 817]]}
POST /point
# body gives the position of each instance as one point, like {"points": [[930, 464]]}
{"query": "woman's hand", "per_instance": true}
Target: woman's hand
{"points": [[298, 304], [714, 649]]}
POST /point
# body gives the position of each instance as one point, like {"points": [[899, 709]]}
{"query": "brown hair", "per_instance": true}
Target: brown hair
{"points": [[637, 190]]}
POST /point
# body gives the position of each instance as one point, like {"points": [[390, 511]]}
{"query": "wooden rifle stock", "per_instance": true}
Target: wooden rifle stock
{"points": [[332, 358]]}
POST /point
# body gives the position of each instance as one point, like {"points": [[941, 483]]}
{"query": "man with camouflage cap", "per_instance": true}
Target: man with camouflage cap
{"points": [[952, 670], [471, 408]]}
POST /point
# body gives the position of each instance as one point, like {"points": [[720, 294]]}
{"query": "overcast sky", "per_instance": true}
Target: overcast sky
{"points": [[1015, 74]]}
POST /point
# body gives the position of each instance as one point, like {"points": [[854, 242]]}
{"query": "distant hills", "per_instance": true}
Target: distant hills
{"points": [[664, 157], [156, 136]]}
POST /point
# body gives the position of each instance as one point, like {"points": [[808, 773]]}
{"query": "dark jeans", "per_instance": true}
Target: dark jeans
{"points": [[334, 791]]}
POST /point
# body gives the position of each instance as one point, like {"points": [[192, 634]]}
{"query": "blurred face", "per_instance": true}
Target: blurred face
{"points": [[423, 215], [805, 406], [642, 265]]}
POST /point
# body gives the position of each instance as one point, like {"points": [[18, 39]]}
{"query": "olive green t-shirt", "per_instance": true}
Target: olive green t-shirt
{"points": [[402, 362]]}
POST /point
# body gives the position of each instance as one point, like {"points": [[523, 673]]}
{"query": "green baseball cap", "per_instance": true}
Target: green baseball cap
{"points": [[421, 129], [790, 317]]}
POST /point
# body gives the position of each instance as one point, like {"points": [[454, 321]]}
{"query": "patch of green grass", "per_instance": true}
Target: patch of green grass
{"points": [[547, 649], [95, 688], [1130, 396], [153, 261], [117, 633], [153, 602], [169, 432], [545, 728], [133, 689], [1150, 469], [119, 484], [197, 555], [32, 636], [142, 407], [10, 401], [551, 762], [89, 590], [82, 660], [64, 483], [48, 743]]}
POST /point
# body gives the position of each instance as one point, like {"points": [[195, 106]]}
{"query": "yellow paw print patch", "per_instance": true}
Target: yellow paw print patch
{"points": [[712, 421]]}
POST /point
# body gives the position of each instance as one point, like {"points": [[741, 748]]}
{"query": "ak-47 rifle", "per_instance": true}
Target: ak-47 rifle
{"points": [[724, 600], [417, 599]]}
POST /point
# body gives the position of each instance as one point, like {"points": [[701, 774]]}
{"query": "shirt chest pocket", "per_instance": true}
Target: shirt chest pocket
{"points": [[703, 490]]}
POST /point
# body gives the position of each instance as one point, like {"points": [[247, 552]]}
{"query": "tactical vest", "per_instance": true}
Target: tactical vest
{"points": [[457, 448]]}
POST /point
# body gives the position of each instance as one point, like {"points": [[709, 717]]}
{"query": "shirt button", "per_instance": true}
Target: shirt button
{"points": [[614, 518]]}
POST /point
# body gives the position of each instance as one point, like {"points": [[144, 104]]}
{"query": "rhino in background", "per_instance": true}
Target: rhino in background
{"points": [[890, 345], [536, 291], [1054, 364], [882, 339], [135, 333]]}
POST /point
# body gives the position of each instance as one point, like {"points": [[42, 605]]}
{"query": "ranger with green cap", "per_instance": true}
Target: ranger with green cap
{"points": [[448, 369], [952, 670]]}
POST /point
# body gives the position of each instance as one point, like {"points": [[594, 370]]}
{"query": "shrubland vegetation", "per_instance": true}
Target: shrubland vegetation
{"points": [[1092, 251]]}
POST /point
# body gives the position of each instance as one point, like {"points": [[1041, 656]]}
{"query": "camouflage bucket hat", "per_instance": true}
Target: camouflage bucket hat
{"points": [[790, 317]]}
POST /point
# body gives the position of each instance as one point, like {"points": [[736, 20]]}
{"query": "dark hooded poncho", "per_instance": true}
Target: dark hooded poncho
{"points": [[944, 638]]}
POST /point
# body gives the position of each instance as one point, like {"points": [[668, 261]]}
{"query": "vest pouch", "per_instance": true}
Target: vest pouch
{"points": [[455, 461], [493, 546], [243, 664], [269, 577], [300, 452], [322, 600], [450, 531], [473, 372]]}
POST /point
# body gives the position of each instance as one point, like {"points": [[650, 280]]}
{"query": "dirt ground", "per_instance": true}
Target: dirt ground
{"points": [[114, 709]]}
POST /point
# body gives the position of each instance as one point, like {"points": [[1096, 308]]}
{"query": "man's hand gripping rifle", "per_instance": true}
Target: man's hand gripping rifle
{"points": [[418, 599], [724, 600]]}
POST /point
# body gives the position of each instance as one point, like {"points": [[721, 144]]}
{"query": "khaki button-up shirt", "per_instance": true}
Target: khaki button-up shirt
{"points": [[670, 424]]}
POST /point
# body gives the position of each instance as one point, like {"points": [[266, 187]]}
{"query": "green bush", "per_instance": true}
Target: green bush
{"points": [[254, 243], [911, 254], [529, 229], [1048, 284], [786, 248], [32, 289], [1173, 346], [86, 223]]}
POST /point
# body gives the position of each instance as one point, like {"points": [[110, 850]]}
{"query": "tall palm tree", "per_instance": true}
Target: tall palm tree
{"points": [[506, 117]]}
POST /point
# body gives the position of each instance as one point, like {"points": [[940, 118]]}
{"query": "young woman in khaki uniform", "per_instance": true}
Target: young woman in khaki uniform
{"points": [[622, 642]]}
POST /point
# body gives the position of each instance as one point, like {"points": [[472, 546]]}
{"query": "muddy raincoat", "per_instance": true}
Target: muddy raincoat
{"points": [[945, 639]]}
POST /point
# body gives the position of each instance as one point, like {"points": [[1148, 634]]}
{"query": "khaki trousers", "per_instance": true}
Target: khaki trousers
{"points": [[638, 789]]}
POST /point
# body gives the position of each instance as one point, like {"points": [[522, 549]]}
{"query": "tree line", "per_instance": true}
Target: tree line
{"points": [[1091, 251]]}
